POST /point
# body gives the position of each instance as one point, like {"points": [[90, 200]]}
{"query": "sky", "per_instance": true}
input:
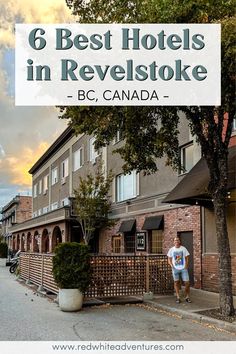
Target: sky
{"points": [[25, 132]]}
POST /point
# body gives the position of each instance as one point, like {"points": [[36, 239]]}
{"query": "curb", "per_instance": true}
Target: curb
{"points": [[194, 316]]}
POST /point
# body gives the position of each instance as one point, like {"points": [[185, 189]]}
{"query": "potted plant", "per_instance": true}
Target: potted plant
{"points": [[71, 271]]}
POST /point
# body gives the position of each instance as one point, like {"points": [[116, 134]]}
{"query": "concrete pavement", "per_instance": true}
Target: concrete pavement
{"points": [[27, 316], [201, 300]]}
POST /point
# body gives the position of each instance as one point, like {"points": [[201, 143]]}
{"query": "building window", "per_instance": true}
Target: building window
{"points": [[116, 244], [187, 157], [54, 176], [64, 170], [40, 212], [155, 241], [118, 137], [129, 242], [45, 209], [45, 184], [40, 187], [92, 152], [78, 159], [126, 186], [54, 206], [35, 190], [65, 202]]}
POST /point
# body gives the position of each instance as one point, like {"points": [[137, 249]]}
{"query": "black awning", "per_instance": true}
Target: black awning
{"points": [[127, 225], [154, 223], [193, 187]]}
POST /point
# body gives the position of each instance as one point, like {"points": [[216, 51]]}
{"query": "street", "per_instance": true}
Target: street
{"points": [[27, 316]]}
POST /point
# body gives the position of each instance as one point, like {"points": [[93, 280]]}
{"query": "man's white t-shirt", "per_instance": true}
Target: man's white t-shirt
{"points": [[178, 255]]}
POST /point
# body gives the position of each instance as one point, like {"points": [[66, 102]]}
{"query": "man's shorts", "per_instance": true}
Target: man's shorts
{"points": [[183, 273]]}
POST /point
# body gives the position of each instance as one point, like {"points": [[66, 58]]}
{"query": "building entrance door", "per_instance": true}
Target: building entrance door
{"points": [[186, 238]]}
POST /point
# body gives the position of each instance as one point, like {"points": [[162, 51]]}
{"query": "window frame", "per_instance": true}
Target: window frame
{"points": [[55, 179], [121, 183], [93, 153], [65, 168], [183, 157], [45, 185], [80, 152]]}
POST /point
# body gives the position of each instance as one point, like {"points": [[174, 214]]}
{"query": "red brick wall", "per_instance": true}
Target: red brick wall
{"points": [[175, 220], [185, 219], [210, 277], [24, 209]]}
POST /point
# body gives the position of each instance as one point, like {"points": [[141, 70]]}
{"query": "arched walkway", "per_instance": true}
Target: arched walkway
{"points": [[45, 241], [23, 242], [56, 237], [17, 242], [28, 242], [36, 242]]}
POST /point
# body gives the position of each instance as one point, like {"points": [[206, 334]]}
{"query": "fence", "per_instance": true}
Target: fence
{"points": [[111, 275]]}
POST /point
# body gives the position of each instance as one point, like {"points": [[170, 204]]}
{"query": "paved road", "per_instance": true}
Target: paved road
{"points": [[28, 317]]}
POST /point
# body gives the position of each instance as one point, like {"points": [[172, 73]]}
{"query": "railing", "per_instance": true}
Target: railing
{"points": [[111, 275]]}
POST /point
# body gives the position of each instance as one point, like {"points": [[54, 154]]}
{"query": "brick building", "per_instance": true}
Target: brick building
{"points": [[148, 216], [18, 210]]}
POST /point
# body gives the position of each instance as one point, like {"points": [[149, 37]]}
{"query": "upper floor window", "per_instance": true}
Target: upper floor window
{"points": [[46, 209], [78, 159], [54, 176], [65, 202], [118, 137], [54, 206], [35, 190], [40, 187], [126, 186], [186, 152], [64, 169], [92, 152], [45, 184]]}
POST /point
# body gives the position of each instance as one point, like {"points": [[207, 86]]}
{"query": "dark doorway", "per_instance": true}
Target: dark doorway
{"points": [[186, 238], [94, 242], [129, 242]]}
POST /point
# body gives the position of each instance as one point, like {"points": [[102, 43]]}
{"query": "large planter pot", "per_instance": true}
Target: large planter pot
{"points": [[70, 299]]}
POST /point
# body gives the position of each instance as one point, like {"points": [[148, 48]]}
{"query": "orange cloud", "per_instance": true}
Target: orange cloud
{"points": [[17, 167], [28, 11]]}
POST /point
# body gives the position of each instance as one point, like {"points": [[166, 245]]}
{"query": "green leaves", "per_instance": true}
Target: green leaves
{"points": [[92, 203], [71, 266]]}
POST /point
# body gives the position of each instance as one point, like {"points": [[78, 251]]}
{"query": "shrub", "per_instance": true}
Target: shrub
{"points": [[71, 266], [3, 250]]}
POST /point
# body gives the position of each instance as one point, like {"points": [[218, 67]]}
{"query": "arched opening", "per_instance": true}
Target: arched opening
{"points": [[45, 241], [28, 242], [14, 243], [23, 242], [56, 237], [17, 242], [36, 242]]}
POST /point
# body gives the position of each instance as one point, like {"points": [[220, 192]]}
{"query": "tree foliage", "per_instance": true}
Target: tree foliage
{"points": [[71, 266], [92, 203], [152, 132]]}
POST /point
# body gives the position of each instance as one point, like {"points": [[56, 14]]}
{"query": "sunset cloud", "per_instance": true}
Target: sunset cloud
{"points": [[26, 132], [16, 167], [28, 11]]}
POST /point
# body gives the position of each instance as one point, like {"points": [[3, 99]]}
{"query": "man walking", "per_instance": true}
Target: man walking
{"points": [[178, 259]]}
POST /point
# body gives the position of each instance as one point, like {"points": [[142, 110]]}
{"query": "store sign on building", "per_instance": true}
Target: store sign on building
{"points": [[140, 241]]}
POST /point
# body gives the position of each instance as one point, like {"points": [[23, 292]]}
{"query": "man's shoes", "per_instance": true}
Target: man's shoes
{"points": [[188, 300], [178, 301]]}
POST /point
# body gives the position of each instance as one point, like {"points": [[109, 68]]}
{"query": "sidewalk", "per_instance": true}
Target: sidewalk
{"points": [[201, 300]]}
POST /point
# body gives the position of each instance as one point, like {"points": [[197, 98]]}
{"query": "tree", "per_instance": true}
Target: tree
{"points": [[92, 203], [152, 132]]}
